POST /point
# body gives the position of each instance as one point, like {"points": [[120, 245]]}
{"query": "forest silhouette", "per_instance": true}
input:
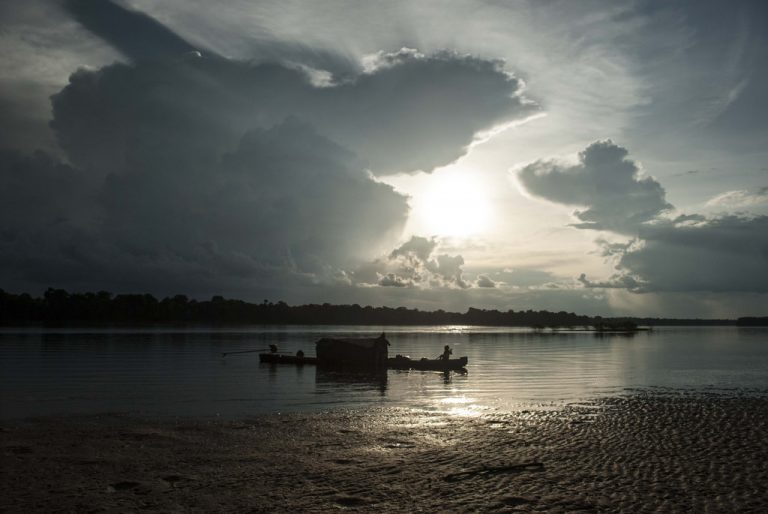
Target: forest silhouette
{"points": [[58, 307]]}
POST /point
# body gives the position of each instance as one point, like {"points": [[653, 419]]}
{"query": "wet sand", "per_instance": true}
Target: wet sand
{"points": [[646, 452]]}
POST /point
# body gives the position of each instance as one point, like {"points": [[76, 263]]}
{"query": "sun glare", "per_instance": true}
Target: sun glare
{"points": [[454, 204]]}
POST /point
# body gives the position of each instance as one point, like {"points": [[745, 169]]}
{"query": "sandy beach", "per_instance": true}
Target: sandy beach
{"points": [[643, 452]]}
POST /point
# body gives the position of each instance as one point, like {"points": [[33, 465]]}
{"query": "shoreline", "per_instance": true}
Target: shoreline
{"points": [[673, 451]]}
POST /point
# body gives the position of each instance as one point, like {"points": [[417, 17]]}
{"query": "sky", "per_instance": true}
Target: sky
{"points": [[598, 157]]}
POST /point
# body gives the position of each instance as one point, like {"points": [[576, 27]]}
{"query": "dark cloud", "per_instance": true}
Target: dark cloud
{"points": [[407, 112], [23, 123], [443, 101], [38, 191], [133, 33], [691, 252], [605, 182], [190, 171], [728, 253], [46, 215], [285, 195], [285, 204]]}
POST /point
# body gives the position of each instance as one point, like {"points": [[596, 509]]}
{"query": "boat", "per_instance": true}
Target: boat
{"points": [[278, 358], [398, 362], [424, 364], [361, 354]]}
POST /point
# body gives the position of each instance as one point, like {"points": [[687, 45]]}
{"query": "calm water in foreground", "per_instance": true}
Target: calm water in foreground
{"points": [[182, 372]]}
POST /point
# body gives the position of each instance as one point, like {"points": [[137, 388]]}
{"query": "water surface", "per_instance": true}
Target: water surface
{"points": [[179, 372]]}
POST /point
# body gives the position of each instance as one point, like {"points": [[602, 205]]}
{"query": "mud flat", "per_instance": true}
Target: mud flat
{"points": [[642, 452]]}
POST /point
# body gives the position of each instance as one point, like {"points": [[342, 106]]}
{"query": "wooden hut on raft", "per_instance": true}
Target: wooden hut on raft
{"points": [[353, 353]]}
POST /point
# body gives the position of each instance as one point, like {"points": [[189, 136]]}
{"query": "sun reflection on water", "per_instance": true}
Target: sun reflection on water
{"points": [[460, 406]]}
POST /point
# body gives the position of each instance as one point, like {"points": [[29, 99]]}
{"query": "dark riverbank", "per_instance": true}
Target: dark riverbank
{"points": [[60, 308], [646, 452]]}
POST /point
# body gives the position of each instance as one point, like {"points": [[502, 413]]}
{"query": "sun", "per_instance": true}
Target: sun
{"points": [[454, 203]]}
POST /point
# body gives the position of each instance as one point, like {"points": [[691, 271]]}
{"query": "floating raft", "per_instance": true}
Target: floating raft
{"points": [[398, 362]]}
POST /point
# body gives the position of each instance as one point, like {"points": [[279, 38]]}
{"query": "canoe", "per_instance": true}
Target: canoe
{"points": [[277, 358], [401, 362]]}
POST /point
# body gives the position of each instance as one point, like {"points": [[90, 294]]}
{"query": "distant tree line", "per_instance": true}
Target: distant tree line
{"points": [[58, 307]]}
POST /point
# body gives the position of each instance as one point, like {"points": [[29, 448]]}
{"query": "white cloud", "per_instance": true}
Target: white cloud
{"points": [[484, 281], [739, 199], [415, 263]]}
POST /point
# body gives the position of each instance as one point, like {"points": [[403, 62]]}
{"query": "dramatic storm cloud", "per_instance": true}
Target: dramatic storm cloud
{"points": [[270, 206], [607, 184], [400, 112], [45, 209], [688, 253], [282, 150], [405, 112], [188, 168], [285, 194]]}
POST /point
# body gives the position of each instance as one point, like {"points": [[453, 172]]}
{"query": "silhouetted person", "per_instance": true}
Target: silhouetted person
{"points": [[273, 348], [446, 353], [300, 354]]}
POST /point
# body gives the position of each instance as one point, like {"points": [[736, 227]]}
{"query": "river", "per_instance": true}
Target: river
{"points": [[181, 372]]}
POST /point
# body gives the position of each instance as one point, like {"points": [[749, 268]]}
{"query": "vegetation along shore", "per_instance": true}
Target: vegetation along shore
{"points": [[59, 307]]}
